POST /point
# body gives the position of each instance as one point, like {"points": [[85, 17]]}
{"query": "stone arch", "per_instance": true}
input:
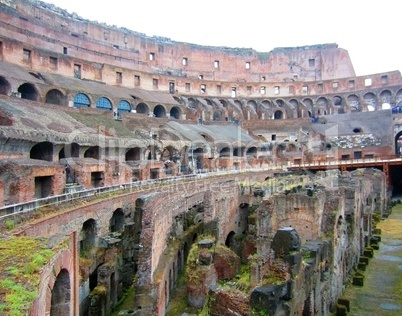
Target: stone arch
{"points": [[70, 151], [230, 240], [81, 100], [192, 103], [337, 101], [175, 112], [265, 110], [116, 222], [250, 109], [87, 236], [295, 105], [217, 115], [159, 111], [370, 101], [322, 106], [398, 97], [308, 103], [55, 96], [28, 92], [278, 115], [385, 97], [104, 103], [61, 295], [93, 152], [133, 154], [5, 87], [238, 103], [251, 151], [353, 102], [224, 152], [124, 106], [398, 143], [238, 151], [42, 151], [196, 155], [142, 108]]}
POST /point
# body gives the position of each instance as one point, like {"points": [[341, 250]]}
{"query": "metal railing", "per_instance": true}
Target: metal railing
{"points": [[355, 161], [19, 208], [25, 207]]}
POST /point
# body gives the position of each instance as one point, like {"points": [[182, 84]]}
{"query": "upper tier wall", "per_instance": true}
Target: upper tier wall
{"points": [[53, 28], [59, 42]]}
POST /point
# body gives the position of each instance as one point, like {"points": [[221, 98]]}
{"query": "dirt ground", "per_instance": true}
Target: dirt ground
{"points": [[381, 293]]}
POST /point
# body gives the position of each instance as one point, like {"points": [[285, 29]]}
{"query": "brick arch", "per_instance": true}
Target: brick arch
{"points": [[5, 87], [29, 91], [55, 96], [60, 303]]}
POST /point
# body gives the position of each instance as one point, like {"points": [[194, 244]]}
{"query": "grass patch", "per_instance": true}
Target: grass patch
{"points": [[104, 122], [21, 261]]}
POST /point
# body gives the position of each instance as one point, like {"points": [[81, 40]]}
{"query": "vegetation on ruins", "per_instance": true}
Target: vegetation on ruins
{"points": [[21, 261]]}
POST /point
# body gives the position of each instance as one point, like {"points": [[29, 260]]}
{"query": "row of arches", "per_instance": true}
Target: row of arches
{"points": [[28, 91], [45, 151], [220, 109], [283, 108], [81, 100]]}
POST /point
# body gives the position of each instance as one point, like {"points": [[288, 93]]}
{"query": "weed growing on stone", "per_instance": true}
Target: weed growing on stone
{"points": [[20, 265]]}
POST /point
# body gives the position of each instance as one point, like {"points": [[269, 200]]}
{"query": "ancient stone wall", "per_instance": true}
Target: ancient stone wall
{"points": [[103, 51]]}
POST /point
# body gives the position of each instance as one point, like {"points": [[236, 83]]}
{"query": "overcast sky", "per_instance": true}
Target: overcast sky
{"points": [[368, 30]]}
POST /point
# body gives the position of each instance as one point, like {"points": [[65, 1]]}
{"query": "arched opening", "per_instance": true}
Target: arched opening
{"points": [[133, 154], [175, 112], [116, 223], [92, 152], [87, 237], [224, 152], [386, 96], [5, 86], [192, 103], [81, 100], [230, 240], [278, 115], [238, 152], [354, 102], [337, 100], [61, 295], [398, 143], [142, 108], [124, 107], [159, 111], [370, 101], [42, 151], [196, 156], [252, 151], [104, 104], [55, 96], [28, 92], [70, 151]]}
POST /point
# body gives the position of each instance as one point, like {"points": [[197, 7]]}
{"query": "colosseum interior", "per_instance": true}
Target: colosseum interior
{"points": [[138, 174]]}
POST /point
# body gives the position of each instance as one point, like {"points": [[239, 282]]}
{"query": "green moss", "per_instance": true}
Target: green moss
{"points": [[99, 290], [21, 261]]}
